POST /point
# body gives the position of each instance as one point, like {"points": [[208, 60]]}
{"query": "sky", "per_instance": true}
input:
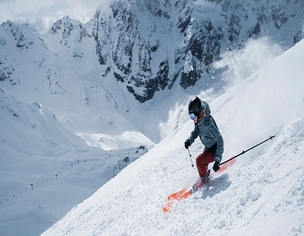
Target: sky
{"points": [[42, 14]]}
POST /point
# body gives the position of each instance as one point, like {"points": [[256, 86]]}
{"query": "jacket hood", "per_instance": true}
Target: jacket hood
{"points": [[205, 107]]}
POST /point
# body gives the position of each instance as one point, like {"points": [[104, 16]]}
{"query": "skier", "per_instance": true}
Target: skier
{"points": [[206, 128]]}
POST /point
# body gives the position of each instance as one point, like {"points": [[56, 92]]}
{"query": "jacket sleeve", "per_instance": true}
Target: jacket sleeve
{"points": [[215, 133], [193, 135]]}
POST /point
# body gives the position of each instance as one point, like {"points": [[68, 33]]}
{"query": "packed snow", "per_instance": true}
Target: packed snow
{"points": [[261, 194]]}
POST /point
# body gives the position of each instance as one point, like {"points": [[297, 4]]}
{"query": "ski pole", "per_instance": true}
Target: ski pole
{"points": [[190, 157], [271, 137]]}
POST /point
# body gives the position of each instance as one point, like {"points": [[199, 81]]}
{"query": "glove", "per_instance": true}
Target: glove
{"points": [[216, 166], [187, 143]]}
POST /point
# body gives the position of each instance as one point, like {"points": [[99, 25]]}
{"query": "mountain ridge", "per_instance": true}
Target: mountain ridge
{"points": [[128, 35]]}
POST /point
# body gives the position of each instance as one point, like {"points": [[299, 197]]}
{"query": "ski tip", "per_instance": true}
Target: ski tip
{"points": [[168, 207], [176, 197]]}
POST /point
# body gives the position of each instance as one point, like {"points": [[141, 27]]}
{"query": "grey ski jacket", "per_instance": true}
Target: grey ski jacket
{"points": [[209, 134]]}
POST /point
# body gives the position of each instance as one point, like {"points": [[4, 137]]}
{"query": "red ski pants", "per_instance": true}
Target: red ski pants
{"points": [[202, 162]]}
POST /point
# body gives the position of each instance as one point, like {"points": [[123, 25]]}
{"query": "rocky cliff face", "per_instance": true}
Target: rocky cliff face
{"points": [[150, 45], [189, 35]]}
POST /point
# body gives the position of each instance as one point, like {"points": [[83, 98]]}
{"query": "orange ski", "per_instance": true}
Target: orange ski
{"points": [[185, 193], [175, 197]]}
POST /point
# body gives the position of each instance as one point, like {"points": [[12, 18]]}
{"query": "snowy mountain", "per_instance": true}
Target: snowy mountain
{"points": [[152, 45], [145, 50], [83, 101], [261, 194], [40, 160], [148, 46]]}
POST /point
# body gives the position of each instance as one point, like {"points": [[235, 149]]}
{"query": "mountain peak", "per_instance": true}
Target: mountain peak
{"points": [[148, 46]]}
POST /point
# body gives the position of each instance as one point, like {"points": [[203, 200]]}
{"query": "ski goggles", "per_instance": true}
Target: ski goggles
{"points": [[192, 116]]}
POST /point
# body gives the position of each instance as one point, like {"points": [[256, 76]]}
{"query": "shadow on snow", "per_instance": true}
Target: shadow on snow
{"points": [[216, 186]]}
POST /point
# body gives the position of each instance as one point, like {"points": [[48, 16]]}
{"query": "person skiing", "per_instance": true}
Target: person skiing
{"points": [[206, 128]]}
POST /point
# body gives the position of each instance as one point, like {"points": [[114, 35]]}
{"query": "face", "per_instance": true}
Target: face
{"points": [[196, 118]]}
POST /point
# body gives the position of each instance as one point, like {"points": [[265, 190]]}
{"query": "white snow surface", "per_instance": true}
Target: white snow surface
{"points": [[261, 194]]}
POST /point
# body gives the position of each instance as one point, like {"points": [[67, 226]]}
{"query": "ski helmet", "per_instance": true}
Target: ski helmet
{"points": [[195, 106]]}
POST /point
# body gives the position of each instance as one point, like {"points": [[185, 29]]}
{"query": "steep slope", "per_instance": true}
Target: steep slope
{"points": [[45, 168], [262, 191]]}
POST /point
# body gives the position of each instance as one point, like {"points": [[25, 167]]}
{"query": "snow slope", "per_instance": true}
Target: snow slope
{"points": [[46, 169], [262, 194]]}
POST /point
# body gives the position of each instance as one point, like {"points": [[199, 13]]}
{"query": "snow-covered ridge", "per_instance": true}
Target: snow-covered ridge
{"points": [[45, 168]]}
